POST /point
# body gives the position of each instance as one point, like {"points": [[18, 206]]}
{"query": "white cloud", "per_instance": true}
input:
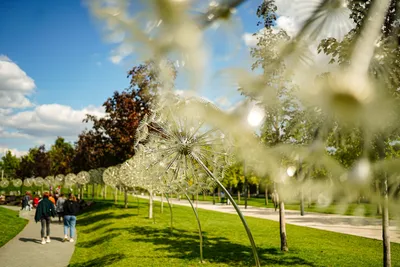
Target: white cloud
{"points": [[122, 51], [15, 85], [287, 24], [250, 39], [50, 120], [16, 152]]}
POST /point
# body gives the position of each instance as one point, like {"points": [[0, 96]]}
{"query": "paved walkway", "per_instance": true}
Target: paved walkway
{"points": [[25, 249], [351, 225]]}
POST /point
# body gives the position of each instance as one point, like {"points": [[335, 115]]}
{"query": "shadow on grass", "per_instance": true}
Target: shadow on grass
{"points": [[95, 228], [185, 245], [97, 241], [101, 261], [102, 217]]}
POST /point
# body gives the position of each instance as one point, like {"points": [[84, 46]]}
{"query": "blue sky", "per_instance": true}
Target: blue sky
{"points": [[58, 45]]}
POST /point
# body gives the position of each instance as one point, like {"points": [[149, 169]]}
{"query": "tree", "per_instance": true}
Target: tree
{"points": [[61, 155], [9, 164], [114, 135], [36, 163], [285, 120]]}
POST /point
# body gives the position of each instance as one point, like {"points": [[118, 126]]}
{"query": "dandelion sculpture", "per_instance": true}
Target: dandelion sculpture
{"points": [[129, 174], [39, 181], [111, 178], [50, 181], [59, 179], [69, 180], [28, 182], [82, 178], [4, 183], [95, 179], [185, 143], [17, 182]]}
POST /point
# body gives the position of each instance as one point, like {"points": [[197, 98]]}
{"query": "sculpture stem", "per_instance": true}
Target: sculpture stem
{"points": [[199, 225], [170, 212], [249, 234]]}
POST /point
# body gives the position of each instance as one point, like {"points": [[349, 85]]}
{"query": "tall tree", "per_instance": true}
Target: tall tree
{"points": [[285, 120], [9, 164], [61, 155], [36, 163]]}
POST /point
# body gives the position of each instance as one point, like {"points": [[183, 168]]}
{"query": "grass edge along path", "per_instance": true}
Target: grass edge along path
{"points": [[10, 225], [112, 236]]}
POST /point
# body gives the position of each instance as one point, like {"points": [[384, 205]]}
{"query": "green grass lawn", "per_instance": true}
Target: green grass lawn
{"points": [[11, 225], [112, 236]]}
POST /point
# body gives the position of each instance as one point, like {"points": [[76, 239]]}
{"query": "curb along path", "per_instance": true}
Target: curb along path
{"points": [[25, 248], [351, 225]]}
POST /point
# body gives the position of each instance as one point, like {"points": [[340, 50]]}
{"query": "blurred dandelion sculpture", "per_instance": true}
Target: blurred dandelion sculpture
{"points": [[182, 143], [4, 183], [111, 178], [357, 97]]}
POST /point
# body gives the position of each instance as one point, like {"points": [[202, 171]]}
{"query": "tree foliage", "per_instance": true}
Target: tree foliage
{"points": [[9, 164]]}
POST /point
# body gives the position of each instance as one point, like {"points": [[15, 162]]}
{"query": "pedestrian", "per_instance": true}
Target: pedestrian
{"points": [[60, 207], [25, 202], [71, 209], [51, 198], [36, 201], [44, 210]]}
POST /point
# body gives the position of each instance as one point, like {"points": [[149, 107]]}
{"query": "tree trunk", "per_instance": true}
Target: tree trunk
{"points": [[81, 192], [162, 203], [246, 193], [204, 195], [214, 198], [219, 194], [266, 195], [301, 202], [238, 197], [282, 226], [125, 198], [93, 187], [257, 189], [150, 204], [385, 228], [379, 205]]}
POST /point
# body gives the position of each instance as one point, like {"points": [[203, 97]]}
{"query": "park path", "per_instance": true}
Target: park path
{"points": [[351, 225], [25, 248]]}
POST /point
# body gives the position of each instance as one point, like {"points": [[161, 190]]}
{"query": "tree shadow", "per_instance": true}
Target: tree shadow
{"points": [[97, 241], [34, 240], [94, 228], [102, 217], [185, 245], [101, 261]]}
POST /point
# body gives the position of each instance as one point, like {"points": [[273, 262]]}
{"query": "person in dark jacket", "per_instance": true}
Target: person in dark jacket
{"points": [[44, 210], [71, 209]]}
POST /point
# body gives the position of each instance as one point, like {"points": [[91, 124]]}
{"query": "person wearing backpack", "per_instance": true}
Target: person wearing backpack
{"points": [[71, 209], [44, 210], [60, 207]]}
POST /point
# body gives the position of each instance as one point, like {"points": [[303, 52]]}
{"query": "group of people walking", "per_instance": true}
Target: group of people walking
{"points": [[66, 209]]}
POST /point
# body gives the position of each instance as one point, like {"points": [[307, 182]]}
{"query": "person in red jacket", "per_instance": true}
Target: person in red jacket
{"points": [[35, 201]]}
